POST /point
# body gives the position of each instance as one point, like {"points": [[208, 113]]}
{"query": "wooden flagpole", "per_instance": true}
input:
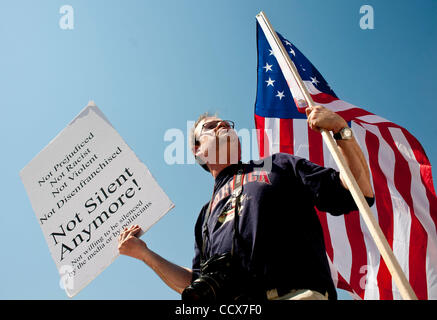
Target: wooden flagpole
{"points": [[291, 74]]}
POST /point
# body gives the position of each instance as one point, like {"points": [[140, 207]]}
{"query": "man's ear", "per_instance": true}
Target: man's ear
{"points": [[198, 154], [196, 150]]}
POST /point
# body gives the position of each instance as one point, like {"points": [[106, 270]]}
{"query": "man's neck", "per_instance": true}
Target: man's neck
{"points": [[215, 169]]}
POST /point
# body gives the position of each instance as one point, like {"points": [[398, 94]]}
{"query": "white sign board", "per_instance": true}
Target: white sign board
{"points": [[85, 186]]}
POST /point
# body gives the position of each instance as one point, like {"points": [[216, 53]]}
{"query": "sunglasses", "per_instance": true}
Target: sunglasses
{"points": [[211, 125]]}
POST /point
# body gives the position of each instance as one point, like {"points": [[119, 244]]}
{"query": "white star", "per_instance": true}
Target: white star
{"points": [[287, 43], [270, 82], [280, 95], [314, 80], [292, 52], [271, 52], [268, 67]]}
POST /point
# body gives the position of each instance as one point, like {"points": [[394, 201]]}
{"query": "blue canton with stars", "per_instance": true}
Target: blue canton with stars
{"points": [[274, 99]]}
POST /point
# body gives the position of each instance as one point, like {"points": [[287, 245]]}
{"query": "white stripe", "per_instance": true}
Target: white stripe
{"points": [[371, 118], [295, 90], [370, 271], [274, 136], [311, 88], [342, 252], [271, 129], [338, 105], [401, 211], [300, 138], [421, 209], [329, 161]]}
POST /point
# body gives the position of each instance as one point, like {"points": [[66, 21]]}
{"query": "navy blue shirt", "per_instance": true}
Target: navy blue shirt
{"points": [[282, 239]]}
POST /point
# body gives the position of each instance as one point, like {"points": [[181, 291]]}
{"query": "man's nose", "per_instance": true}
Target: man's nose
{"points": [[222, 124]]}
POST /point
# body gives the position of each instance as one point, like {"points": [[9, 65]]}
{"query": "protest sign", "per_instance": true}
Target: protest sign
{"points": [[85, 186]]}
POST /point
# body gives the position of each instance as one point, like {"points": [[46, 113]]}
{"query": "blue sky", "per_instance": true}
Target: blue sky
{"points": [[153, 65]]}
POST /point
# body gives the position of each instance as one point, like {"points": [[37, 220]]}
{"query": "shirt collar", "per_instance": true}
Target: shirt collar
{"points": [[228, 171]]}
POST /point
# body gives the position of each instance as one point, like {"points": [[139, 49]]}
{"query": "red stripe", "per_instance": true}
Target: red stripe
{"points": [[358, 248], [385, 209], [326, 233], [263, 141], [351, 114], [323, 98], [418, 236], [286, 136], [315, 143]]}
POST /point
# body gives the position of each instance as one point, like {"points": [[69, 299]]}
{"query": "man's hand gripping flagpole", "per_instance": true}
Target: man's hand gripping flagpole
{"points": [[291, 74]]}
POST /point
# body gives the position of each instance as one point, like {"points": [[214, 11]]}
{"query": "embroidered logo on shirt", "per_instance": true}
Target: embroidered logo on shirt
{"points": [[256, 176]]}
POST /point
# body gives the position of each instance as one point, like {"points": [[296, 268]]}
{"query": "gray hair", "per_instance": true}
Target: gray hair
{"points": [[193, 139]]}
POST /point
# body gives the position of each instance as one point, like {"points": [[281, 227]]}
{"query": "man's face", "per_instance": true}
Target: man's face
{"points": [[218, 141]]}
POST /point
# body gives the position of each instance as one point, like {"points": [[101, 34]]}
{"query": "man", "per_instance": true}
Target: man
{"points": [[276, 240]]}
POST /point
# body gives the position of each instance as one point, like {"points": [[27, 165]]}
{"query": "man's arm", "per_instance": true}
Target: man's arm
{"points": [[322, 118], [176, 277]]}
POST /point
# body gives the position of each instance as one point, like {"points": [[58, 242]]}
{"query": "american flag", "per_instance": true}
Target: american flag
{"points": [[405, 200]]}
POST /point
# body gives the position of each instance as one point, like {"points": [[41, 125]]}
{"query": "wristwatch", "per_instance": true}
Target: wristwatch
{"points": [[344, 134]]}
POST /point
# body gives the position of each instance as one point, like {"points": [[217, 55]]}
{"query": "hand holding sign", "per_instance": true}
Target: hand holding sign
{"points": [[129, 244]]}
